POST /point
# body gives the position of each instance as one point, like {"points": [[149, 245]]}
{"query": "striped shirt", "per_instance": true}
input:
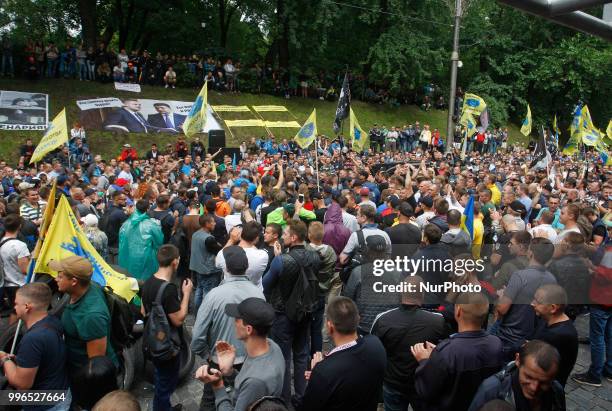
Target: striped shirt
{"points": [[30, 213]]}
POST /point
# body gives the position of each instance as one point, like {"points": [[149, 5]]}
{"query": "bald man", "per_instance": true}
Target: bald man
{"points": [[450, 373]]}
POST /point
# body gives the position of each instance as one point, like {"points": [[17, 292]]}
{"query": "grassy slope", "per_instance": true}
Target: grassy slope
{"points": [[64, 93]]}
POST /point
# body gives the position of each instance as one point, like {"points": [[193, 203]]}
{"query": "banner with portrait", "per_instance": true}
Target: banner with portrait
{"points": [[134, 115], [20, 110]]}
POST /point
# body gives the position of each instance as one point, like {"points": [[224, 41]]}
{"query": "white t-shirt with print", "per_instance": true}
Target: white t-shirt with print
{"points": [[10, 252]]}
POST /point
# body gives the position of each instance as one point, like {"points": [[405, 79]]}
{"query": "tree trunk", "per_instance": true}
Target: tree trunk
{"points": [[87, 10], [283, 39]]}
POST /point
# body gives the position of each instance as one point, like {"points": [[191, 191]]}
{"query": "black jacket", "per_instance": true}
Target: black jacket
{"points": [[458, 365], [111, 222], [347, 380], [433, 257], [504, 386], [403, 327]]}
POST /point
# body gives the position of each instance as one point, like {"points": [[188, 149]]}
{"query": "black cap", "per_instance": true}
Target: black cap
{"points": [[253, 311], [89, 191], [236, 260], [548, 187], [316, 195], [376, 243], [394, 201], [428, 201], [518, 207]]}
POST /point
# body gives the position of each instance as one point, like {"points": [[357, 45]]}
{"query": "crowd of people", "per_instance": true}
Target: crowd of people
{"points": [[405, 276]]}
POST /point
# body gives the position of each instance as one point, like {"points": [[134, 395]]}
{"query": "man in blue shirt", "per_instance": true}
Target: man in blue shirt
{"points": [[40, 363]]}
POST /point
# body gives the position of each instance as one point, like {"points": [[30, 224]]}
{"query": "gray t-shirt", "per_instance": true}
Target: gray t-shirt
{"points": [[519, 322], [353, 241], [259, 377]]}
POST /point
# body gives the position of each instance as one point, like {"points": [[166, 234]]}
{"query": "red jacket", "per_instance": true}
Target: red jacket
{"points": [[601, 282], [128, 154]]}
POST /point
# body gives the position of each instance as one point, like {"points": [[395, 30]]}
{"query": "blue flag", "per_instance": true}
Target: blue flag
{"points": [[468, 217]]}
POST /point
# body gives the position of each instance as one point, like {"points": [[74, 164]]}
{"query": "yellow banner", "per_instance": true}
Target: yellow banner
{"points": [[282, 124], [269, 108], [231, 108], [55, 136], [66, 238], [245, 123]]}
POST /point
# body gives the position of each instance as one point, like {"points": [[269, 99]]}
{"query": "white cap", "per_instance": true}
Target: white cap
{"points": [[24, 186], [90, 220]]}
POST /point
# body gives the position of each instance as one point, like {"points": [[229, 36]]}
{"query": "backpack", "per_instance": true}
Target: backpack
{"points": [[305, 293], [160, 340], [356, 259], [122, 320], [2, 274]]}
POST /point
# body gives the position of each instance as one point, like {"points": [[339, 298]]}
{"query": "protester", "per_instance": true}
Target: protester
{"points": [[213, 324], [350, 376], [40, 362], [526, 383], [262, 372], [87, 324], [160, 288]]}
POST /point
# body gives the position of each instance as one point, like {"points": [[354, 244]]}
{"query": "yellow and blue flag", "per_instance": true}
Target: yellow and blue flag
{"points": [[570, 147], [587, 131], [468, 217], [576, 121], [609, 130], [526, 127], [359, 138], [55, 136], [556, 131], [308, 132], [65, 238], [467, 119], [196, 119], [474, 104]]}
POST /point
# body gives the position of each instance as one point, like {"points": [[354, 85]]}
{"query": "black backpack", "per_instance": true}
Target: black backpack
{"points": [[160, 340], [356, 259], [122, 320], [305, 293]]}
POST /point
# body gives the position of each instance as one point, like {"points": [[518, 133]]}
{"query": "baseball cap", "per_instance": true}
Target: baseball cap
{"points": [[376, 243], [24, 186], [394, 201], [121, 182], [289, 208], [236, 260], [89, 191], [126, 145], [428, 201], [518, 207], [90, 220], [74, 265], [364, 191], [253, 311]]}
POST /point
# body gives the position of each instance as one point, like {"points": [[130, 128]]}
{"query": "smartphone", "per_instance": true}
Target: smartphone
{"points": [[301, 198]]}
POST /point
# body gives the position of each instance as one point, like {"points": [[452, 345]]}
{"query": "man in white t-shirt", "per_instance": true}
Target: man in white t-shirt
{"points": [[15, 259], [569, 219], [258, 259]]}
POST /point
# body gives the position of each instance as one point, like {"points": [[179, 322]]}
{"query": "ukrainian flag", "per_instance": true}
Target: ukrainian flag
{"points": [[55, 136], [526, 127], [196, 119], [570, 147], [474, 104], [308, 132], [576, 121], [65, 238], [359, 138], [468, 217], [557, 131]]}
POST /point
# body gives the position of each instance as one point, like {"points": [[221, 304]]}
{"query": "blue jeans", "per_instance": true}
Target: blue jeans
{"points": [[600, 334], [292, 338], [316, 327], [82, 70], [205, 283], [51, 67], [166, 379], [398, 400]]}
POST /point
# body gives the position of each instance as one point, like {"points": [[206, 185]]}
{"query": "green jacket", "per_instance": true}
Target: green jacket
{"points": [[140, 237], [276, 216]]}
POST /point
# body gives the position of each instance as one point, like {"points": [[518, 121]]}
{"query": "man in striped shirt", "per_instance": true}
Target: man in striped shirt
{"points": [[30, 208]]}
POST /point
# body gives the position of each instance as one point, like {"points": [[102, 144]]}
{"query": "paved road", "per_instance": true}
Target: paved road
{"points": [[579, 397]]}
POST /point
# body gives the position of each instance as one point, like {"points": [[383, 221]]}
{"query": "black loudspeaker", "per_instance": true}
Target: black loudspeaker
{"points": [[216, 138], [225, 151]]}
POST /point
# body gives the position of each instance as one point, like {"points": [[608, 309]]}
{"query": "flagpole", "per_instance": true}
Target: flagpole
{"points": [[317, 161], [31, 277], [546, 153]]}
